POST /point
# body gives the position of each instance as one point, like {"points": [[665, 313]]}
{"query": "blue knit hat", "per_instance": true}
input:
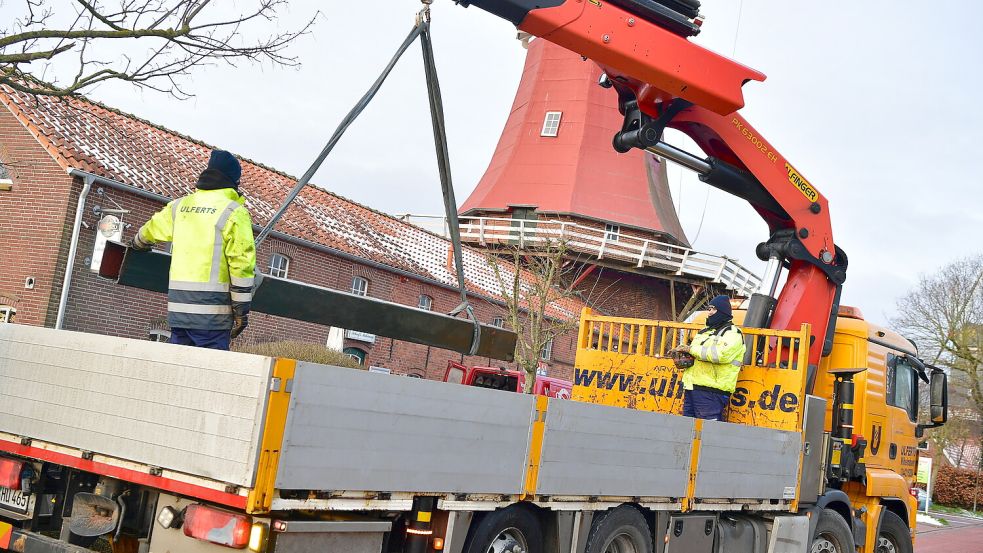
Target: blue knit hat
{"points": [[227, 164], [722, 303]]}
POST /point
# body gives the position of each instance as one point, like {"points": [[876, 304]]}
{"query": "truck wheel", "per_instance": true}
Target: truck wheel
{"points": [[621, 530], [514, 529], [893, 536], [832, 534]]}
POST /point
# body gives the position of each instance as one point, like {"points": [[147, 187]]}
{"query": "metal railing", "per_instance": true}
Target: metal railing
{"points": [[626, 362], [612, 246]]}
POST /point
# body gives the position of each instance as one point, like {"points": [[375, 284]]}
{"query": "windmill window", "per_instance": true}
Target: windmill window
{"points": [[551, 125], [611, 232], [426, 302]]}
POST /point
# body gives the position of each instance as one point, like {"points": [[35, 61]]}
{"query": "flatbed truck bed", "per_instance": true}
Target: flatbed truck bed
{"points": [[279, 440]]}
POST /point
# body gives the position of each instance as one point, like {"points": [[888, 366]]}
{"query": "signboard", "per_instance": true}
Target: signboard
{"points": [[764, 396], [108, 228], [924, 470], [360, 336]]}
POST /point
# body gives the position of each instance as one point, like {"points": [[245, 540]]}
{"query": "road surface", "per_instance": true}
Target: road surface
{"points": [[962, 535]]}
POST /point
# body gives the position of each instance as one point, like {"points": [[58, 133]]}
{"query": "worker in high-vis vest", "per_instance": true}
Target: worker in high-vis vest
{"points": [[718, 352], [213, 257]]}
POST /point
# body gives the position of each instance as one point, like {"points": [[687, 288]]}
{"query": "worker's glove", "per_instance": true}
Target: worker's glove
{"points": [[681, 357], [240, 317], [139, 245]]}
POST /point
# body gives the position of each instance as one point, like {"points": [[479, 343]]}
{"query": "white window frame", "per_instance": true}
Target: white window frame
{"points": [[498, 322], [360, 286], [359, 358], [425, 303], [159, 335], [611, 232], [7, 313], [547, 352], [551, 123], [275, 269]]}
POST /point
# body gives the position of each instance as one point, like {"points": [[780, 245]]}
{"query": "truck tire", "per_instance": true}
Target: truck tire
{"points": [[514, 529], [620, 530], [893, 535], [832, 535]]}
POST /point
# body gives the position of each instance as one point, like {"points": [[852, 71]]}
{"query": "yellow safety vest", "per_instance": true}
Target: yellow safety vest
{"points": [[213, 257], [719, 356]]}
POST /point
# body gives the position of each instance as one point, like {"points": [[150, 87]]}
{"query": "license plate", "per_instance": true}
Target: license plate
{"points": [[15, 502]]}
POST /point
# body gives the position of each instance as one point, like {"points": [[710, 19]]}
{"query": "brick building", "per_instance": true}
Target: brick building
{"points": [[67, 165]]}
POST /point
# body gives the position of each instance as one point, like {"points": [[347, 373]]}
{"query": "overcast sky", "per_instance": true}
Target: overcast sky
{"points": [[877, 104]]}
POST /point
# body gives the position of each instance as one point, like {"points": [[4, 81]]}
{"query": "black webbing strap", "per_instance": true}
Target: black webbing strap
{"points": [[446, 186], [352, 115], [421, 29]]}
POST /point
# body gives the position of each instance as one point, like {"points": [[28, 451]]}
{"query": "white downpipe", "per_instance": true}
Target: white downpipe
{"points": [[70, 266]]}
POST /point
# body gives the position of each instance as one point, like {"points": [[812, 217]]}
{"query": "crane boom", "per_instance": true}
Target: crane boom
{"points": [[665, 81]]}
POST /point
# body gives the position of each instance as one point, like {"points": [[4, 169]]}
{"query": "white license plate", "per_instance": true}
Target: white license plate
{"points": [[13, 501]]}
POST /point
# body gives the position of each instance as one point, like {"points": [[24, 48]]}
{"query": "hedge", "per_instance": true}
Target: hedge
{"points": [[301, 351], [955, 487]]}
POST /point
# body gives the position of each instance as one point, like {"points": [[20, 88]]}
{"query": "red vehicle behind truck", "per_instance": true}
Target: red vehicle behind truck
{"points": [[498, 378]]}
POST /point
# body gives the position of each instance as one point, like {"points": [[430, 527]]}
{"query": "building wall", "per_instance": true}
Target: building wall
{"points": [[101, 306], [35, 224], [625, 294]]}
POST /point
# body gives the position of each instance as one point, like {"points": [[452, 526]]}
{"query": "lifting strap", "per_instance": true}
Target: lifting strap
{"points": [[421, 29], [444, 166]]}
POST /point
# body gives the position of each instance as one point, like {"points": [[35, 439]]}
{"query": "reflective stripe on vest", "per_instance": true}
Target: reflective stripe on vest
{"points": [[199, 309], [174, 207], [217, 251]]}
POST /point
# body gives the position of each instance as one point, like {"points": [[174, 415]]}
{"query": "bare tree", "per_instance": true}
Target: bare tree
{"points": [[956, 439], [150, 43], [534, 281], [944, 316]]}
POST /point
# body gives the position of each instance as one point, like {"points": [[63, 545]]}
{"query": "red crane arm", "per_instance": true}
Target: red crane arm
{"points": [[666, 81]]}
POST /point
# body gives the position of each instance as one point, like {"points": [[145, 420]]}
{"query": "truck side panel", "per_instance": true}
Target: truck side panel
{"points": [[185, 409], [609, 451], [738, 461], [350, 430]]}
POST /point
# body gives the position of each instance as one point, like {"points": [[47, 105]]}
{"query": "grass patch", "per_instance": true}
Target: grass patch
{"points": [[946, 509], [301, 351]]}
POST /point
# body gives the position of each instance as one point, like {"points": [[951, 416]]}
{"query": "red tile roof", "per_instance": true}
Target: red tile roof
{"points": [[84, 135]]}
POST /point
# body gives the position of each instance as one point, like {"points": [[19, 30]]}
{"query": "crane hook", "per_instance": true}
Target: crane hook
{"points": [[426, 10]]}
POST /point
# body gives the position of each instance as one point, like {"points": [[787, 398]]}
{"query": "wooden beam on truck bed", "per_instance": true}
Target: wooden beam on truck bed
{"points": [[315, 304]]}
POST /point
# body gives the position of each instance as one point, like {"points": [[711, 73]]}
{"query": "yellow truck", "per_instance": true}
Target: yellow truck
{"points": [[856, 415], [157, 448]]}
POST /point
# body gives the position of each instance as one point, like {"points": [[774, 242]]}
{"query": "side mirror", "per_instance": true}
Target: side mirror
{"points": [[939, 393]]}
